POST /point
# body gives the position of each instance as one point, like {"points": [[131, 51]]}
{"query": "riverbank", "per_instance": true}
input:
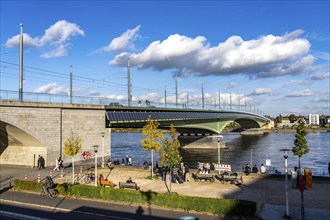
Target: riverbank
{"points": [[263, 189]]}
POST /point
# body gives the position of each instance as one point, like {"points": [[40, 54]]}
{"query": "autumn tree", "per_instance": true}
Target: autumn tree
{"points": [[72, 145], [152, 141], [169, 154], [300, 142]]}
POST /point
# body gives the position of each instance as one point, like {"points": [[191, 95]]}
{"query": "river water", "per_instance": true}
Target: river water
{"points": [[239, 150]]}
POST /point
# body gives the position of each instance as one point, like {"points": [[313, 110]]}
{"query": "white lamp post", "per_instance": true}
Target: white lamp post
{"points": [[102, 133], [219, 139], [95, 151], [285, 155]]}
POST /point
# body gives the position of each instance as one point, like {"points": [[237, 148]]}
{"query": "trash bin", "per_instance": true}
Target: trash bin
{"points": [[294, 180], [308, 179]]}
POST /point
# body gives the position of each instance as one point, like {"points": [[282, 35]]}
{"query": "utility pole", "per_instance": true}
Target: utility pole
{"points": [[203, 95], [187, 99], [239, 103], [129, 96], [230, 100], [165, 96], [21, 64], [70, 84], [219, 98], [176, 91]]}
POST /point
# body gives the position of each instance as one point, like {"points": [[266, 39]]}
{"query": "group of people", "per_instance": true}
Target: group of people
{"points": [[247, 169], [58, 164], [125, 161], [179, 173], [41, 162]]}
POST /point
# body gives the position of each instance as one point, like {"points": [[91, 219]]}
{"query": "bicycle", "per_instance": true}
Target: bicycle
{"points": [[52, 193], [90, 177]]}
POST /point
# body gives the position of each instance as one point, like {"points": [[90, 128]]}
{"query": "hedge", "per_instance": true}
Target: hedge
{"points": [[233, 207]]}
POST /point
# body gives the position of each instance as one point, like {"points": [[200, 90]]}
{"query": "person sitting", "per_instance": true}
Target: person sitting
{"points": [[129, 180], [254, 169], [262, 168], [247, 169]]}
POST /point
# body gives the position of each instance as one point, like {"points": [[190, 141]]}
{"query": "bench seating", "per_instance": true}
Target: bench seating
{"points": [[102, 182], [123, 185], [205, 177], [233, 178]]}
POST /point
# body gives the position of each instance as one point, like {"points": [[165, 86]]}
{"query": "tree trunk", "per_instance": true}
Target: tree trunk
{"points": [[152, 164], [170, 179], [299, 163], [73, 179]]}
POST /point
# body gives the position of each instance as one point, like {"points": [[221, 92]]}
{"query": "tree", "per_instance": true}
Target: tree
{"points": [[300, 142], [72, 145], [152, 140], [169, 154], [293, 118]]}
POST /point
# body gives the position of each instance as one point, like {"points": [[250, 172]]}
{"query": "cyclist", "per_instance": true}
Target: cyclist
{"points": [[49, 183]]}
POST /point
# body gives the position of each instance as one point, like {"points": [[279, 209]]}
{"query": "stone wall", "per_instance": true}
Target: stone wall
{"points": [[32, 129]]}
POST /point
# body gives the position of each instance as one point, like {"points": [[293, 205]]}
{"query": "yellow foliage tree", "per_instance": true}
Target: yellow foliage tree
{"points": [[72, 146]]}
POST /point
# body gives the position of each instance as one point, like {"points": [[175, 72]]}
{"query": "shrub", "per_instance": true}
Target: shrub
{"points": [[233, 207]]}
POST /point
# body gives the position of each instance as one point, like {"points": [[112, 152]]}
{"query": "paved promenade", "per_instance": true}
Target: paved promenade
{"points": [[267, 191]]}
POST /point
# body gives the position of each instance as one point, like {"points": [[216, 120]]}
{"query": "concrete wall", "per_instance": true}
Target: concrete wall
{"points": [[30, 129]]}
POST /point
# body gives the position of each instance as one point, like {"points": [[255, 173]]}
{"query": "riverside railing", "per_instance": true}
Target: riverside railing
{"points": [[9, 95]]}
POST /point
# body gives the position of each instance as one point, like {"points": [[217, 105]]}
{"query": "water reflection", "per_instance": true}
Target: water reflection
{"points": [[238, 151]]}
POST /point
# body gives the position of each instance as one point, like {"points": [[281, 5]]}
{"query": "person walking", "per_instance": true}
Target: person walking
{"points": [[57, 162], [186, 173]]}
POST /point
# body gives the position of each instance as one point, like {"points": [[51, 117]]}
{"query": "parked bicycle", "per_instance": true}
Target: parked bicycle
{"points": [[48, 188], [90, 177]]}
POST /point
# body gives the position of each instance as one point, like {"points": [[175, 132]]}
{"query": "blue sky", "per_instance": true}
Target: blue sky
{"points": [[273, 55]]}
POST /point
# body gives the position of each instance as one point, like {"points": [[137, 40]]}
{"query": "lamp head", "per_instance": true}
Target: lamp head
{"points": [[95, 148], [102, 133], [285, 153], [219, 139]]}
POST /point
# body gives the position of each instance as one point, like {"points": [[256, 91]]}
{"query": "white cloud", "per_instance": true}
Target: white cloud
{"points": [[303, 93], [261, 91], [125, 41], [320, 76], [297, 83], [52, 88], [56, 37], [267, 56]]}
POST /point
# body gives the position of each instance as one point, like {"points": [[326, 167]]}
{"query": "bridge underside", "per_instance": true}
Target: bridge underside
{"points": [[16, 143], [185, 122]]}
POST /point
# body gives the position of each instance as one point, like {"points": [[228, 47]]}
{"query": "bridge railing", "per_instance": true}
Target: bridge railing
{"points": [[8, 95]]}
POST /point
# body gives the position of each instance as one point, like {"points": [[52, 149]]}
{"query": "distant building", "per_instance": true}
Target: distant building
{"points": [[313, 119]]}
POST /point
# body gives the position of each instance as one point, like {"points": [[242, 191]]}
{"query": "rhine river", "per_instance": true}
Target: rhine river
{"points": [[239, 150]]}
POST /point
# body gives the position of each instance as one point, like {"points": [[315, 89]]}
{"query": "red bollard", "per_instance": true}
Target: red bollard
{"points": [[62, 173], [38, 177], [80, 168], [25, 177], [50, 173]]}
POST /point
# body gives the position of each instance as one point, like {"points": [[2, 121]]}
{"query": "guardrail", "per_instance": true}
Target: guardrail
{"points": [[9, 95]]}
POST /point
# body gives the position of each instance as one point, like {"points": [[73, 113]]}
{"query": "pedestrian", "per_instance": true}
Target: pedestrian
{"points": [[247, 169], [56, 168], [186, 173], [129, 161], [123, 161], [126, 162], [60, 163], [39, 162], [254, 169], [262, 168], [139, 103]]}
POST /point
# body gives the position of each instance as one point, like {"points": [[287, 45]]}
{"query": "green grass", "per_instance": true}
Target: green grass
{"points": [[233, 207]]}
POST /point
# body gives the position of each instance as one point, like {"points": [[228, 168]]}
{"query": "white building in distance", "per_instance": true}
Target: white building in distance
{"points": [[313, 119]]}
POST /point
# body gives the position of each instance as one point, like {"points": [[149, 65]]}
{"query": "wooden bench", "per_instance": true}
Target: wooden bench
{"points": [[123, 185], [232, 178], [201, 177], [102, 182]]}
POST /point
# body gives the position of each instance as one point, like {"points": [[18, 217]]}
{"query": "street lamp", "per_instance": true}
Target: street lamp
{"points": [[285, 155], [95, 151], [219, 139], [102, 133]]}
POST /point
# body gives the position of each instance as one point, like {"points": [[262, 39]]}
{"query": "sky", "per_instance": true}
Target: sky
{"points": [[272, 55]]}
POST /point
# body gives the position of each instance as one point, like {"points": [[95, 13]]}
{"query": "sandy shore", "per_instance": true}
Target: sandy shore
{"points": [[263, 189]]}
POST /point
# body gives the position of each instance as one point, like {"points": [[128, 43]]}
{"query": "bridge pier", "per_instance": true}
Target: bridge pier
{"points": [[200, 141]]}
